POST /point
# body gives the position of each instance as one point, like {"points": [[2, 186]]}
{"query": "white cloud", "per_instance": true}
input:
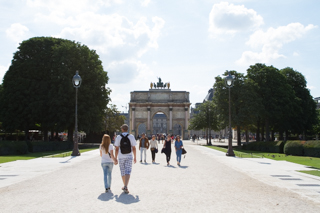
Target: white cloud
{"points": [[228, 18], [145, 3], [119, 41], [271, 42], [71, 6], [311, 87], [122, 72], [17, 32], [295, 54], [113, 34]]}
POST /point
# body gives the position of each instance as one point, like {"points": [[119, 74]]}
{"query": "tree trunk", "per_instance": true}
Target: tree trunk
{"points": [[267, 130], [52, 133], [70, 134], [262, 133], [26, 134], [57, 134], [247, 136], [258, 131], [287, 135], [272, 135], [207, 136], [238, 136], [45, 135], [281, 136]]}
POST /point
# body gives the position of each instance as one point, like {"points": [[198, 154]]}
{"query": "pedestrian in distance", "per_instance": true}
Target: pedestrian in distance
{"points": [[125, 146], [178, 145], [154, 147], [167, 149], [143, 147], [162, 138], [107, 160]]}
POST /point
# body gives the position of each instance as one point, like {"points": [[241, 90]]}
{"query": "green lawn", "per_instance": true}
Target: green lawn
{"points": [[65, 154], [314, 172], [307, 161], [8, 158]]}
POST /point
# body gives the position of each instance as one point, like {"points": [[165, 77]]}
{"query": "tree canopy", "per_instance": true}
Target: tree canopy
{"points": [[265, 99], [113, 119], [37, 88]]}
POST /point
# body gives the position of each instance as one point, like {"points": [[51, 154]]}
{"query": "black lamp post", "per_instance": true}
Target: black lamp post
{"points": [[229, 83], [209, 129], [76, 81]]}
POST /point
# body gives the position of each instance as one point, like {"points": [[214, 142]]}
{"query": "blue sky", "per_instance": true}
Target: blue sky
{"points": [[186, 43]]}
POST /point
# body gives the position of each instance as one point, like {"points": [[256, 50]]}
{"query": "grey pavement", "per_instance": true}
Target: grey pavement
{"points": [[207, 181]]}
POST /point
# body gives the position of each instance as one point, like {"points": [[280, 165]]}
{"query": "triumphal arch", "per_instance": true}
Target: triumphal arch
{"points": [[144, 105]]}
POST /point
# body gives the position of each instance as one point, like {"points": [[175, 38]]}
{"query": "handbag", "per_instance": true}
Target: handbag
{"points": [[184, 151], [156, 150]]}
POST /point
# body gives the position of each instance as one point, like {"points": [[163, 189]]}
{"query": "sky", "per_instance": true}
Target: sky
{"points": [[185, 42]]}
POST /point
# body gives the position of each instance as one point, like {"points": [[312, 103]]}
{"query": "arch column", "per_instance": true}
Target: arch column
{"points": [[148, 122], [133, 121], [185, 132], [170, 120]]}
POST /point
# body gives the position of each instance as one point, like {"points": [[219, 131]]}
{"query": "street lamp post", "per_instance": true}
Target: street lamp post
{"points": [[229, 83], [76, 81], [209, 129]]}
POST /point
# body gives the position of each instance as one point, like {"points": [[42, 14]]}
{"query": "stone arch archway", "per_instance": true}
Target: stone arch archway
{"points": [[159, 124], [145, 104]]}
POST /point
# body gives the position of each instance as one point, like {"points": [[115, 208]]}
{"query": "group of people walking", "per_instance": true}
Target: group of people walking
{"points": [[125, 154]]}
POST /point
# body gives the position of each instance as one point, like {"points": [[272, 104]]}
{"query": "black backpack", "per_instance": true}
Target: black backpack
{"points": [[125, 144]]}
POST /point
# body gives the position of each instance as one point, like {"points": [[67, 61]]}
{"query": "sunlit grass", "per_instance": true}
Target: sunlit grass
{"points": [[307, 161], [9, 158], [313, 172]]}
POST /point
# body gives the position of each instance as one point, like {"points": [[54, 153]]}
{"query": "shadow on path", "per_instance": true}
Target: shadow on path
{"points": [[67, 161], [106, 196], [170, 166], [127, 198], [183, 167]]}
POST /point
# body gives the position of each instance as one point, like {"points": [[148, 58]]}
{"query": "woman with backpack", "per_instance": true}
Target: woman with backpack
{"points": [[107, 160]]}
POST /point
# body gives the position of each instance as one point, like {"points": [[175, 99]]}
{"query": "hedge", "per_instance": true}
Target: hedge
{"points": [[23, 147], [271, 146], [303, 148], [13, 147], [40, 146]]}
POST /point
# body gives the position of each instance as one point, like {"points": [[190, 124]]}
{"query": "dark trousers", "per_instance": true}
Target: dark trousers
{"points": [[153, 154], [168, 156]]}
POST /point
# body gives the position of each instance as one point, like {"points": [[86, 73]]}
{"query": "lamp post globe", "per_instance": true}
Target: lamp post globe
{"points": [[76, 81], [229, 80]]}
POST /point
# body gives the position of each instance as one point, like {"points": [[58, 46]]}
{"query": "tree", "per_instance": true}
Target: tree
{"points": [[1, 101], [244, 104], [206, 116], [304, 116], [316, 126], [37, 88], [275, 95], [113, 119]]}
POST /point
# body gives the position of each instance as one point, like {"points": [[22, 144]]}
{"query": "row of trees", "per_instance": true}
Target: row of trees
{"points": [[264, 101], [37, 90]]}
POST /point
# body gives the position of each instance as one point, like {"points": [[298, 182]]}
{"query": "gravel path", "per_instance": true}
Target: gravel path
{"points": [[201, 184]]}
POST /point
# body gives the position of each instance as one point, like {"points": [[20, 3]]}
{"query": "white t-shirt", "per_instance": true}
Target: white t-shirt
{"points": [[105, 156], [117, 143]]}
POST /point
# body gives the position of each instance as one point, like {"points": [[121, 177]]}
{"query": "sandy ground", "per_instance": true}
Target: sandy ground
{"points": [[201, 184]]}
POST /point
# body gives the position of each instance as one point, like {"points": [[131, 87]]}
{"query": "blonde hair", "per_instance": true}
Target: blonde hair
{"points": [[105, 143]]}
